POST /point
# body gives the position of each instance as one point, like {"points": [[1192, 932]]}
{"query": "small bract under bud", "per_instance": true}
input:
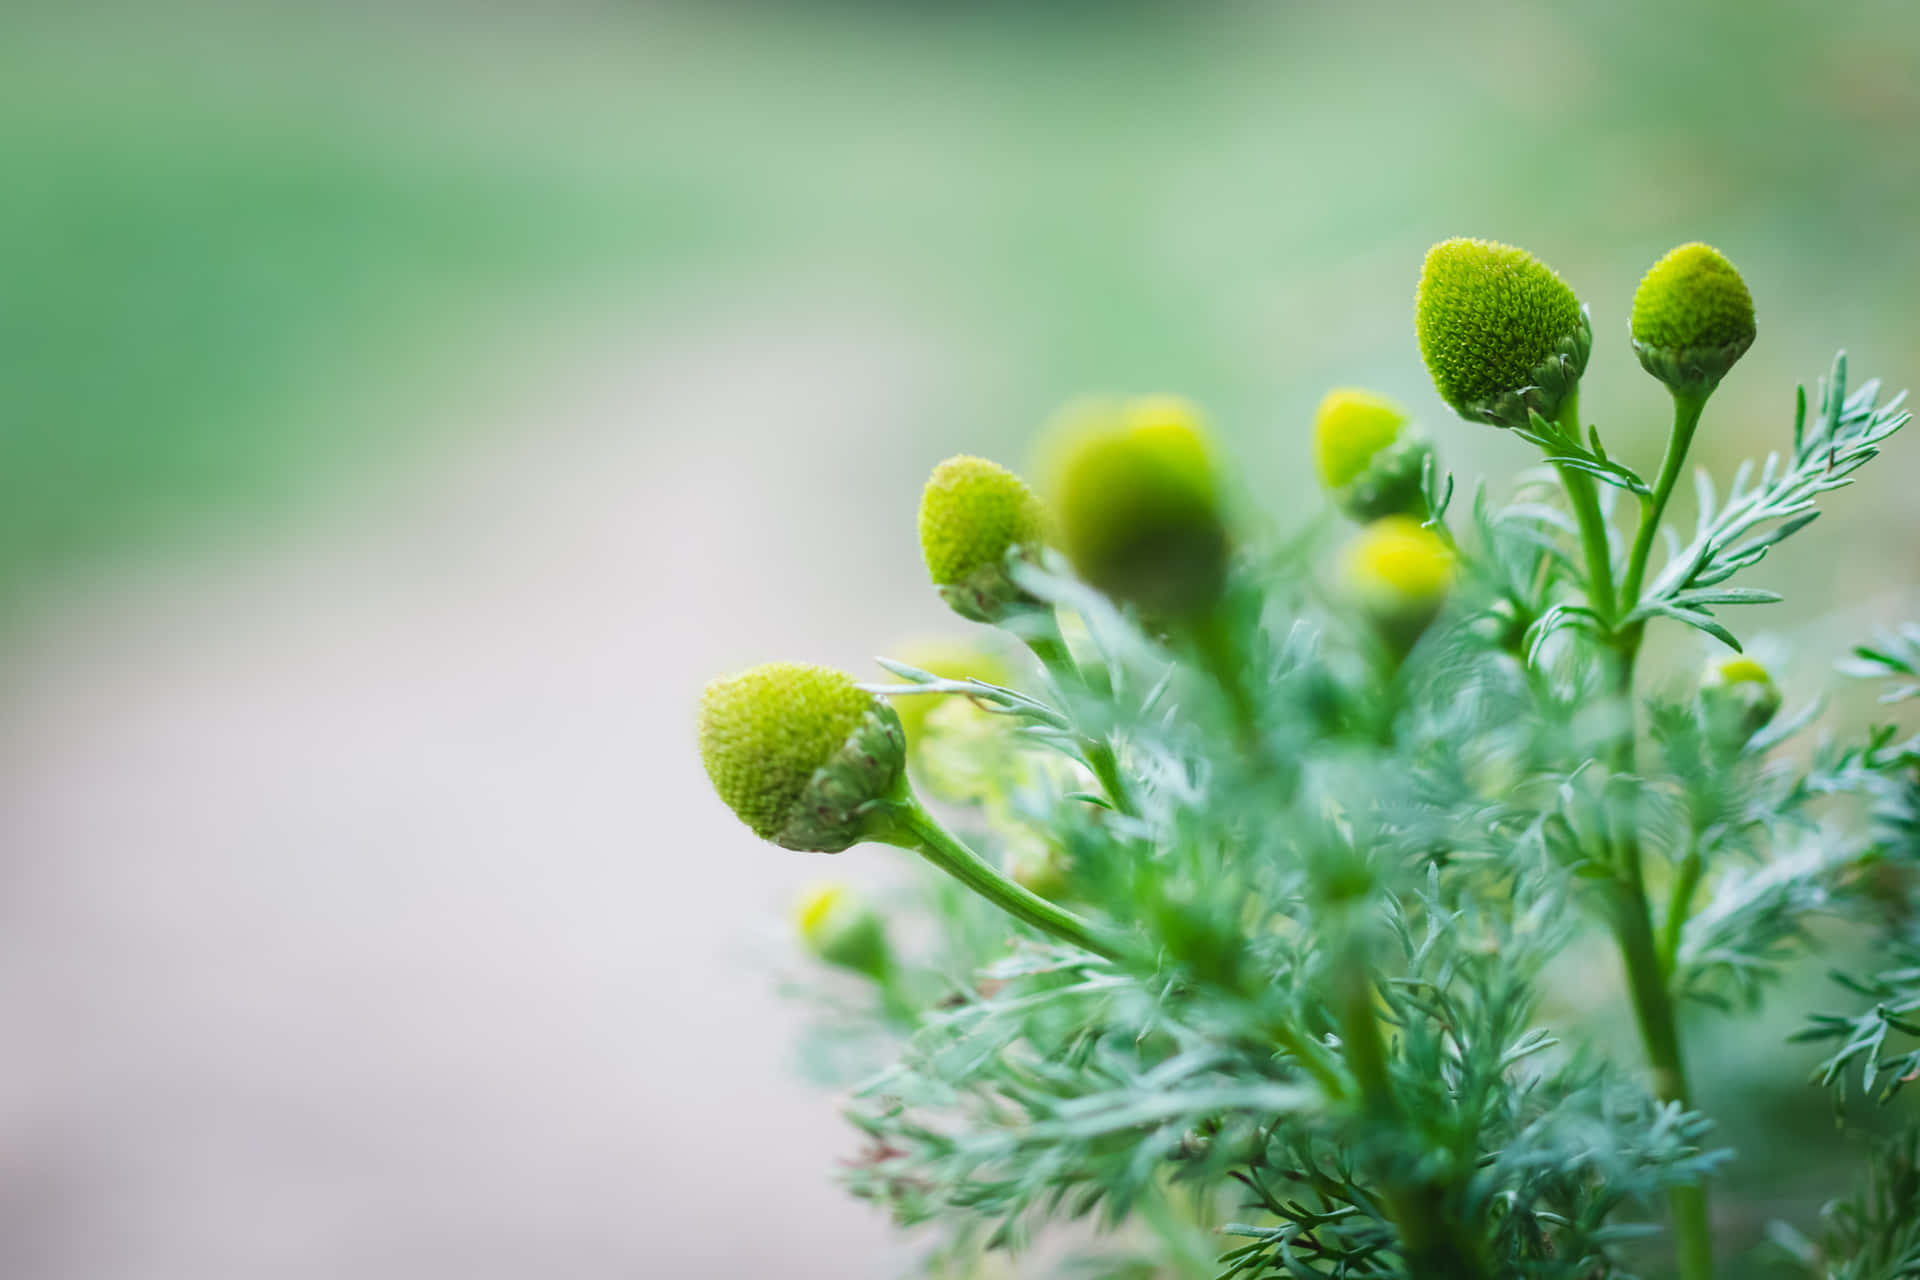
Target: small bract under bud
{"points": [[800, 753], [1370, 457], [974, 516], [1738, 698], [1692, 319], [1398, 571], [1502, 335], [842, 930], [1138, 500]]}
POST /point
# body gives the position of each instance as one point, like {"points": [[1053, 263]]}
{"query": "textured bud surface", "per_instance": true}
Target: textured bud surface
{"points": [[766, 732], [1692, 318], [1693, 297], [972, 513], [1493, 322], [1398, 568], [1138, 502]]}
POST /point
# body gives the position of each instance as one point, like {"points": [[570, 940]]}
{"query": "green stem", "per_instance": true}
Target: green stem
{"points": [[1584, 498], [1221, 657], [1686, 417], [1679, 907], [1431, 1235], [912, 827], [1647, 977], [1048, 646], [1659, 1032]]}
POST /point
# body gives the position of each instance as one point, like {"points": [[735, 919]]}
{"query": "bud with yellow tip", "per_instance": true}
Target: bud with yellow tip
{"points": [[1398, 572], [841, 929], [801, 753], [975, 518], [1692, 319], [1371, 458], [1738, 698], [1138, 499], [1501, 334]]}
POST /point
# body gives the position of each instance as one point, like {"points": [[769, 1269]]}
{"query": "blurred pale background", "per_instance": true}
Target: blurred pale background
{"points": [[404, 409]]}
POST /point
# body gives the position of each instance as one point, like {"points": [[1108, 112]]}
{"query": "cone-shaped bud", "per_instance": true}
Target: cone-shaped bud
{"points": [[801, 754], [1692, 318], [842, 930], [1370, 455], [950, 660], [1500, 332], [1398, 572], [1138, 500], [975, 516], [1738, 699]]}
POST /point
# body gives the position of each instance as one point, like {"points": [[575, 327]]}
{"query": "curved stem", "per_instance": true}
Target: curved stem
{"points": [[912, 827], [1686, 417]]}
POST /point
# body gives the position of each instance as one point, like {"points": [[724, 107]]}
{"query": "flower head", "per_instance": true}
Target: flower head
{"points": [[974, 515], [1692, 318], [1135, 490], [1398, 571], [1370, 456], [838, 927], [1738, 698], [800, 753], [1500, 332]]}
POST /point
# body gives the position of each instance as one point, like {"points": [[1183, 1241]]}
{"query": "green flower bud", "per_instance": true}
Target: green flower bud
{"points": [[1398, 572], [1371, 458], [1137, 497], [1738, 699], [1692, 319], [801, 754], [974, 517], [1500, 332], [839, 928], [950, 660]]}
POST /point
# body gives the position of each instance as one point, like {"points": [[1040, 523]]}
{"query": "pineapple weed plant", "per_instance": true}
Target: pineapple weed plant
{"points": [[1264, 877]]}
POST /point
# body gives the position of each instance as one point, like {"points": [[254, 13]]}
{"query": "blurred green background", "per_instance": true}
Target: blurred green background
{"points": [[258, 264], [223, 230]]}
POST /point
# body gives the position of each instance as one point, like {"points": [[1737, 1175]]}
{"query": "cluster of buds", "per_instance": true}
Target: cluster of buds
{"points": [[811, 760]]}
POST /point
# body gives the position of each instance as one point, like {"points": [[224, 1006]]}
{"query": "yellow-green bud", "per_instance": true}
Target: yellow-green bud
{"points": [[1137, 497], [950, 660], [975, 516], [1692, 319], [842, 930], [1500, 332], [1398, 572], [1371, 458], [801, 753], [1738, 698]]}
